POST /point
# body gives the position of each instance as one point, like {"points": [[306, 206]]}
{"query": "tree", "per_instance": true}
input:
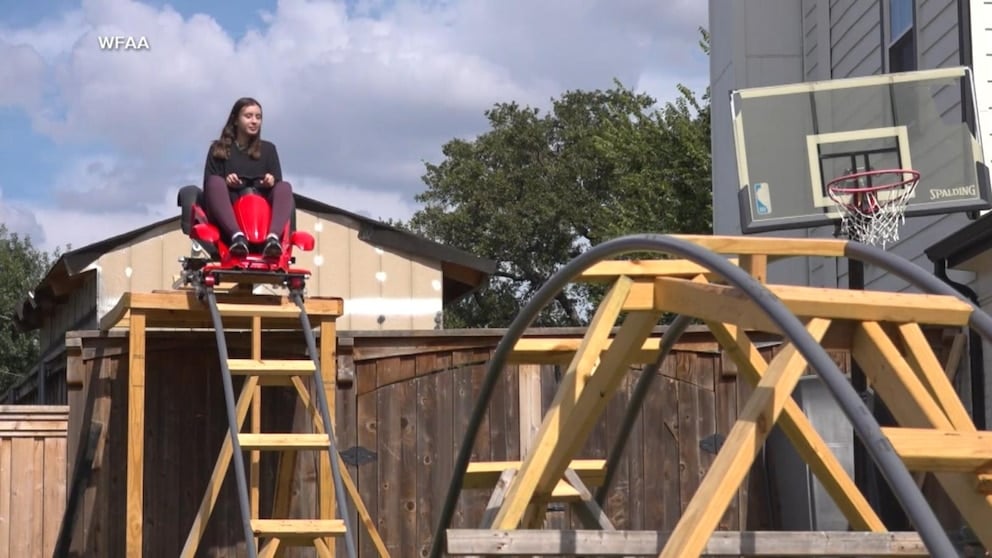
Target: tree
{"points": [[22, 266], [535, 190]]}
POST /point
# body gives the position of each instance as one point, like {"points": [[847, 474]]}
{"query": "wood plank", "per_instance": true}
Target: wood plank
{"points": [[552, 350], [429, 420], [485, 474], [6, 496], [255, 456], [768, 245], [291, 367], [269, 441], [532, 542], [22, 497], [54, 491], [611, 269], [929, 370], [405, 400], [298, 527], [368, 434], [730, 305], [389, 462], [327, 356], [924, 449], [171, 307], [135, 435]]}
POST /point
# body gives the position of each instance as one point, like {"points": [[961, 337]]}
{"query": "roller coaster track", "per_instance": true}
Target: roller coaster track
{"points": [[695, 249]]}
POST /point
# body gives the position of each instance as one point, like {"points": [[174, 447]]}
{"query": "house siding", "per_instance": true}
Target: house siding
{"points": [[758, 42], [937, 37], [981, 56], [855, 34], [78, 312]]}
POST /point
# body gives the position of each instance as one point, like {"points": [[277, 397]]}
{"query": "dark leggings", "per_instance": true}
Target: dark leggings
{"points": [[219, 200]]}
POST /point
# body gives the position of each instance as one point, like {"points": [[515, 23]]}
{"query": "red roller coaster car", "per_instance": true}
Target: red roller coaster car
{"points": [[253, 214]]}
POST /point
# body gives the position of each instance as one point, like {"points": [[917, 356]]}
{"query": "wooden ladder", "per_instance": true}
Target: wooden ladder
{"points": [[277, 533]]}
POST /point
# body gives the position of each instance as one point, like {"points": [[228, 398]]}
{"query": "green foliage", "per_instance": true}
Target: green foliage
{"points": [[537, 189], [22, 266]]}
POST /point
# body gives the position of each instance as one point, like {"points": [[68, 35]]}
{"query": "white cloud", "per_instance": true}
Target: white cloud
{"points": [[375, 205], [20, 219], [22, 75], [353, 103]]}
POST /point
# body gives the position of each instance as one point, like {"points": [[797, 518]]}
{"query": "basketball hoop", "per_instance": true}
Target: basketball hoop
{"points": [[872, 213]]}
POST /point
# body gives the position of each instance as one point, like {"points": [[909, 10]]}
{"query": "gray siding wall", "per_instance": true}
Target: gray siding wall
{"points": [[755, 42], [855, 38], [937, 37]]}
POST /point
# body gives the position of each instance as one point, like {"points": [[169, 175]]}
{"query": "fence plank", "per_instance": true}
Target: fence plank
{"points": [[33, 446]]}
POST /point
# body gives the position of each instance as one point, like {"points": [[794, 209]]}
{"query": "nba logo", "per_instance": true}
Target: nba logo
{"points": [[762, 199]]}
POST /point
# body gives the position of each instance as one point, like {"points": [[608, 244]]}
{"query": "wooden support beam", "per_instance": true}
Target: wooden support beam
{"points": [[255, 456], [805, 439], [535, 467], [638, 269], [924, 449], [572, 416], [768, 245], [184, 309], [927, 367], [730, 305], [912, 406], [135, 436], [327, 498], [546, 542], [737, 454], [485, 474]]}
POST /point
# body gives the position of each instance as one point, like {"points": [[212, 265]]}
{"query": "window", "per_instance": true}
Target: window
{"points": [[902, 38]]}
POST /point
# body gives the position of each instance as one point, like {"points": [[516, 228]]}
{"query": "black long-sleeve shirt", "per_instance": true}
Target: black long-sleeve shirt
{"points": [[240, 163]]}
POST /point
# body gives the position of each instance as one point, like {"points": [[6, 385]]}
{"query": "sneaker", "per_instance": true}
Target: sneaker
{"points": [[239, 245], [273, 248]]}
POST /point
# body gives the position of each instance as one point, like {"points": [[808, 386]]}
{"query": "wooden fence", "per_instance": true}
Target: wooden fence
{"points": [[400, 425], [32, 478]]}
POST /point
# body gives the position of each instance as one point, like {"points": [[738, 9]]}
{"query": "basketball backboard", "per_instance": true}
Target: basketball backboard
{"points": [[792, 140]]}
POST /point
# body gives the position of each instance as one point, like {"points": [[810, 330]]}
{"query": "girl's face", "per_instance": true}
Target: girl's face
{"points": [[250, 120]]}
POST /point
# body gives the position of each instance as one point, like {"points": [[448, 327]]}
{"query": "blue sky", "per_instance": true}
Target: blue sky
{"points": [[357, 94]]}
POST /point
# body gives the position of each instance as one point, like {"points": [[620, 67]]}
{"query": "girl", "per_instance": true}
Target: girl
{"points": [[240, 150]]}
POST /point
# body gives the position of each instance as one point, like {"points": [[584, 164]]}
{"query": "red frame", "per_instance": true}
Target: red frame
{"points": [[253, 214]]}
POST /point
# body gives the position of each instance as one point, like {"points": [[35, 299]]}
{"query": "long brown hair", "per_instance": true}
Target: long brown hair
{"points": [[221, 147]]}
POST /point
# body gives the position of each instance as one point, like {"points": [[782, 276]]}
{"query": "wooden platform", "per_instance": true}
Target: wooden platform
{"points": [[182, 309]]}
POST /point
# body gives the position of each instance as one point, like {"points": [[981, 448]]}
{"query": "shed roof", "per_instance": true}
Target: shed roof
{"points": [[462, 272]]}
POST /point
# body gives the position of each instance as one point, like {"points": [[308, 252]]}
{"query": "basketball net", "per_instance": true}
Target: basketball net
{"points": [[872, 214]]}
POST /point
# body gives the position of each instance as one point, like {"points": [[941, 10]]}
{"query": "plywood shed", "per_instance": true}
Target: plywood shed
{"points": [[389, 279]]}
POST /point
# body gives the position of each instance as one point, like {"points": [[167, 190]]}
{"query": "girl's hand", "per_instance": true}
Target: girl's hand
{"points": [[269, 180]]}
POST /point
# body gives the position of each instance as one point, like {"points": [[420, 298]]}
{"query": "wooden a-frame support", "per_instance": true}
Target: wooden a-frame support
{"points": [[140, 311], [881, 330]]}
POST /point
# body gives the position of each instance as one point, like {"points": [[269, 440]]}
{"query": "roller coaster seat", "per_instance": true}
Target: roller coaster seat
{"points": [[253, 213]]}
